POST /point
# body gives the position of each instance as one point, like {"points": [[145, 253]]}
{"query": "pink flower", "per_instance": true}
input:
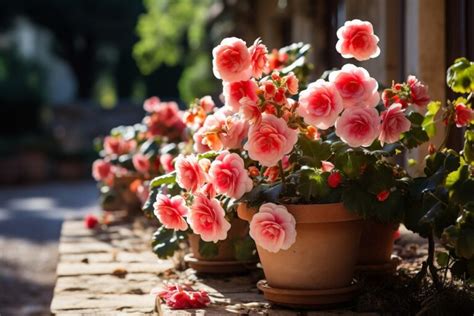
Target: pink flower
{"points": [[463, 115], [141, 163], [358, 126], [101, 170], [270, 140], [189, 174], [258, 56], [273, 228], [200, 145], [206, 218], [171, 212], [355, 86], [235, 91], [234, 132], [249, 111], [418, 91], [151, 104], [231, 60], [394, 123], [208, 190], [166, 161], [118, 146], [320, 104], [291, 83], [182, 297], [168, 113], [326, 166], [269, 89], [207, 104], [357, 39], [229, 176]]}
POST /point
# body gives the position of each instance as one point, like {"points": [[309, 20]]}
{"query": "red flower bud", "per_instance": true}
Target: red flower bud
{"points": [[334, 179], [383, 195]]}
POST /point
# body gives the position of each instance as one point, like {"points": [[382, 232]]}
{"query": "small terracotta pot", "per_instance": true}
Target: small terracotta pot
{"points": [[324, 254], [128, 200], [376, 243], [225, 261]]}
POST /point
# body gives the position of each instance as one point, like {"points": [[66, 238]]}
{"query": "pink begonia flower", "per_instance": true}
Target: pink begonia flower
{"points": [[207, 219], [357, 39], [250, 111], [320, 104], [291, 83], [222, 130], [171, 212], [355, 86], [463, 115], [118, 146], [418, 91], [182, 296], [326, 166], [229, 176], [269, 89], [358, 126], [235, 91], [394, 123], [166, 161], [273, 228], [258, 57], [270, 140], [208, 190], [231, 60], [198, 138], [141, 163], [207, 104], [151, 104], [168, 113], [189, 174], [101, 169]]}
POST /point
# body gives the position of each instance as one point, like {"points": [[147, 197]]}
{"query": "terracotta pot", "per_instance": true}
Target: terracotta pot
{"points": [[128, 200], [239, 229], [225, 261], [324, 254], [376, 243]]}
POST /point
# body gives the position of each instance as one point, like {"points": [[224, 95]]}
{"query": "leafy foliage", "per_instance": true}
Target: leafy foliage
{"points": [[460, 76], [166, 241]]}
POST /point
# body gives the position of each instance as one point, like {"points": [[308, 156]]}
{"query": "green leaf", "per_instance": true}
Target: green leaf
{"points": [[245, 249], [465, 244], [313, 151], [442, 258], [208, 155], [208, 249], [166, 241], [415, 118], [148, 205], [429, 125], [460, 76], [312, 185], [169, 178]]}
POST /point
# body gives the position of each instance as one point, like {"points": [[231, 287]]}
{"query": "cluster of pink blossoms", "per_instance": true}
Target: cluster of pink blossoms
{"points": [[182, 296], [261, 120]]}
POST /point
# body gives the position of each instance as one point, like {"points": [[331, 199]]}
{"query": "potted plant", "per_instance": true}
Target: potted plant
{"points": [[443, 205], [132, 155], [213, 133]]}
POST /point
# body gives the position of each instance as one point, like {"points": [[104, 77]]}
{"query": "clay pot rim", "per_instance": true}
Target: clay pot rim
{"points": [[309, 213]]}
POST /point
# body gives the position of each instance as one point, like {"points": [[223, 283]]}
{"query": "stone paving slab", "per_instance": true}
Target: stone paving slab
{"points": [[100, 275]]}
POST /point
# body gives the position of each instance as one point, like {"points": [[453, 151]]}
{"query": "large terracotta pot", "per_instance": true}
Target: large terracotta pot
{"points": [[225, 261], [376, 243], [319, 267]]}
